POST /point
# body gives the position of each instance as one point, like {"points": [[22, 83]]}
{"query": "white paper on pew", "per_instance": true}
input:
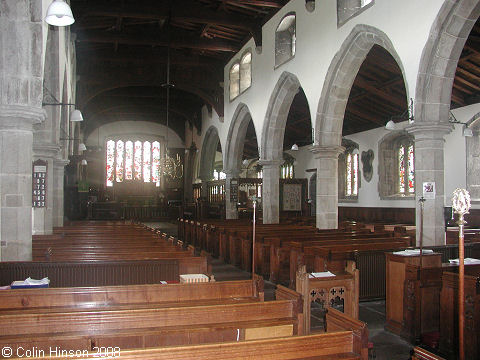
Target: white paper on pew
{"points": [[320, 274], [412, 252], [466, 261]]}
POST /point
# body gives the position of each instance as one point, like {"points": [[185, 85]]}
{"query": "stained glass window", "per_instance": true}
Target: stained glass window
{"points": [[128, 160], [351, 176], [138, 161], [411, 169], [110, 161], [401, 169], [147, 161], [156, 162], [355, 175], [286, 171], [119, 161]]}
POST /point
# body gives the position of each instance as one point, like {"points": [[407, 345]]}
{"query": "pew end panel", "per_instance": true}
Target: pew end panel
{"points": [[284, 293], [329, 291], [338, 321]]}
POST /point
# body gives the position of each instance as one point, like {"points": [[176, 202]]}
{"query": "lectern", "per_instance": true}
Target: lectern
{"points": [[396, 270]]}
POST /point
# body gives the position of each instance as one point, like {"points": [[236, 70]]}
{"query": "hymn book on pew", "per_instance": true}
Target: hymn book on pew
{"points": [[31, 283]]}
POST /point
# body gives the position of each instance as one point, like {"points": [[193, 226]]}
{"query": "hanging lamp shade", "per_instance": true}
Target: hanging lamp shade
{"points": [[84, 162], [59, 14], [294, 147], [82, 147], [390, 125], [76, 115]]}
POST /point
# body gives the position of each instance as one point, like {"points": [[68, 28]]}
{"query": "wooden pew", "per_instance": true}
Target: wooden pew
{"points": [[109, 297], [343, 287], [345, 339], [422, 354], [182, 323]]}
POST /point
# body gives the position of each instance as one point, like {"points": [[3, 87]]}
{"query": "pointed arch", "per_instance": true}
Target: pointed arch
{"points": [[439, 59], [209, 148], [340, 77], [236, 137], [276, 117]]}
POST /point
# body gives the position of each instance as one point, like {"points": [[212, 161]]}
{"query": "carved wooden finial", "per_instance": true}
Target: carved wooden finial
{"points": [[461, 201]]}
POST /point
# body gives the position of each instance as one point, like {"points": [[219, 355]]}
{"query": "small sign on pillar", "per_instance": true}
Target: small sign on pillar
{"points": [[234, 190], [39, 183]]}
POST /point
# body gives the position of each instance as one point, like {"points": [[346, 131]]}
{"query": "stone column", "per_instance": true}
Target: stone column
{"points": [[429, 167], [43, 217], [16, 140], [327, 185], [231, 211], [205, 178], [271, 190], [21, 73], [58, 191]]}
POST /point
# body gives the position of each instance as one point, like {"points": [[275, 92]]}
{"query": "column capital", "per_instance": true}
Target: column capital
{"points": [[60, 163], [45, 149], [20, 117], [429, 130], [232, 173], [265, 163], [326, 151]]}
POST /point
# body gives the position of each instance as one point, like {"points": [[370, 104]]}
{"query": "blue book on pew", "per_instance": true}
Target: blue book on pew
{"points": [[30, 283]]}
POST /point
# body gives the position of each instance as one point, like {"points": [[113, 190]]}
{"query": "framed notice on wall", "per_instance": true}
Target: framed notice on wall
{"points": [[39, 184], [292, 197]]}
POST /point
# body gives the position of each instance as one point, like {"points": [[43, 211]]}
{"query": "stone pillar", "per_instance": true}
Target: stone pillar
{"points": [[231, 211], [271, 190], [43, 217], [21, 74], [429, 167], [16, 140], [327, 185], [58, 191], [205, 178]]}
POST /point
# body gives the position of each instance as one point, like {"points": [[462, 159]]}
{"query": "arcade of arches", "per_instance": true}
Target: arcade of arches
{"points": [[304, 133]]}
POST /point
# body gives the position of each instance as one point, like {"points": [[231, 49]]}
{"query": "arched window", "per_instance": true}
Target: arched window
{"points": [[351, 177], [348, 171], [245, 71], [396, 166], [234, 81], [241, 75], [347, 9], [286, 171], [132, 161], [406, 170], [285, 39]]}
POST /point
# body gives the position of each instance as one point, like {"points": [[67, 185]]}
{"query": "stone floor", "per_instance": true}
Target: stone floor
{"points": [[387, 346]]}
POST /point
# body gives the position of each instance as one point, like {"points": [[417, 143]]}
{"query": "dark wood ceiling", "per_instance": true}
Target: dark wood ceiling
{"points": [[121, 49], [122, 52]]}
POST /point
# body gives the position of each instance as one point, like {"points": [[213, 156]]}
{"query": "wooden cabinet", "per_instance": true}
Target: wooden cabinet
{"points": [[396, 271]]}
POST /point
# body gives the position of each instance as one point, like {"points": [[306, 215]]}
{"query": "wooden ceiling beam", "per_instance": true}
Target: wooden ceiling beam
{"points": [[186, 10], [185, 42]]}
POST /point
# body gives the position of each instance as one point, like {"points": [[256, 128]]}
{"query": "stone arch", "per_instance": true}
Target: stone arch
{"points": [[276, 116], [209, 148], [236, 138], [340, 77], [439, 59]]}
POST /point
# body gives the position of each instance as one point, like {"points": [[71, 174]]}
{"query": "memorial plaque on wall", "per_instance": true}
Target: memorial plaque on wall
{"points": [[292, 197], [39, 184], [234, 190]]}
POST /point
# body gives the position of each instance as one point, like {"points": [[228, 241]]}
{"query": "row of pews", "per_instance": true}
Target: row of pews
{"points": [[280, 249], [211, 320]]}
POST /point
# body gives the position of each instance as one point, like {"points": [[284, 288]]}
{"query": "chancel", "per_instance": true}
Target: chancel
{"points": [[293, 161]]}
